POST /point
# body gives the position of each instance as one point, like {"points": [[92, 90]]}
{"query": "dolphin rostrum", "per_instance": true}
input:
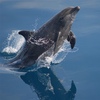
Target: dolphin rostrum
{"points": [[53, 33]]}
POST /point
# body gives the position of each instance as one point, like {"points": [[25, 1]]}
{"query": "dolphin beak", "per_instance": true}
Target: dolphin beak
{"points": [[75, 10]]}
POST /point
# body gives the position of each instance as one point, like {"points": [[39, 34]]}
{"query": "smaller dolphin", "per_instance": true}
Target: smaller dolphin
{"points": [[51, 34]]}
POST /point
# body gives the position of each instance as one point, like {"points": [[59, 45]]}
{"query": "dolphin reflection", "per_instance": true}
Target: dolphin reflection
{"points": [[47, 86]]}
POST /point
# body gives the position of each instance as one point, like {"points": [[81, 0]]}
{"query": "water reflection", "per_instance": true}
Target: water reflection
{"points": [[47, 85]]}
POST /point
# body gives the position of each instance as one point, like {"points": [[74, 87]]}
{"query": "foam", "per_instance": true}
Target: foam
{"points": [[14, 42], [58, 57]]}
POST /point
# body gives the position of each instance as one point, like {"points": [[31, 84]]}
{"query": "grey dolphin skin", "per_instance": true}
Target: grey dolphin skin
{"points": [[52, 34]]}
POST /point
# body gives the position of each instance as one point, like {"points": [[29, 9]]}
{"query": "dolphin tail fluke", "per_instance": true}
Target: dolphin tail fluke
{"points": [[71, 38], [26, 34]]}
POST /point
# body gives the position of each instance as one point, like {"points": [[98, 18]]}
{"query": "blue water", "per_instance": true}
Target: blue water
{"points": [[82, 66]]}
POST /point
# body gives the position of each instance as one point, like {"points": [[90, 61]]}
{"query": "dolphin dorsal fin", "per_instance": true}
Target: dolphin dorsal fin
{"points": [[71, 38], [26, 34]]}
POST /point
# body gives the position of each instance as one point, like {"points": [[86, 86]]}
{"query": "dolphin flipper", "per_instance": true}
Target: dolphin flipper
{"points": [[26, 34], [71, 38]]}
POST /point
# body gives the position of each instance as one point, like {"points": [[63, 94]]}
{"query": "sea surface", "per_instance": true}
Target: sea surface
{"points": [[80, 65]]}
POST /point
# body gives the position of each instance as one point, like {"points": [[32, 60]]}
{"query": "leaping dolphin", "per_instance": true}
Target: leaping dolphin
{"points": [[53, 33]]}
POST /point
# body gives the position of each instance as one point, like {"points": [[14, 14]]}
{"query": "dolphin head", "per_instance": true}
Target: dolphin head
{"points": [[61, 26], [62, 22], [65, 18]]}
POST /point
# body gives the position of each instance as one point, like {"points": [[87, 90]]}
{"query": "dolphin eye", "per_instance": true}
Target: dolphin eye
{"points": [[61, 22], [61, 19]]}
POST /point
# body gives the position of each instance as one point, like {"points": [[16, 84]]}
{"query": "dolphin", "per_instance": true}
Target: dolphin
{"points": [[51, 34]]}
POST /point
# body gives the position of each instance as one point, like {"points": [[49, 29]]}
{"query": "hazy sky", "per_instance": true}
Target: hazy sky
{"points": [[50, 4]]}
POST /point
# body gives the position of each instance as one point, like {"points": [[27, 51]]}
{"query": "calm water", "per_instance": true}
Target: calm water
{"points": [[82, 66]]}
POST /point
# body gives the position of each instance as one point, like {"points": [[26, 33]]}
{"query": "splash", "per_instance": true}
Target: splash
{"points": [[14, 42], [35, 24], [48, 58], [63, 52]]}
